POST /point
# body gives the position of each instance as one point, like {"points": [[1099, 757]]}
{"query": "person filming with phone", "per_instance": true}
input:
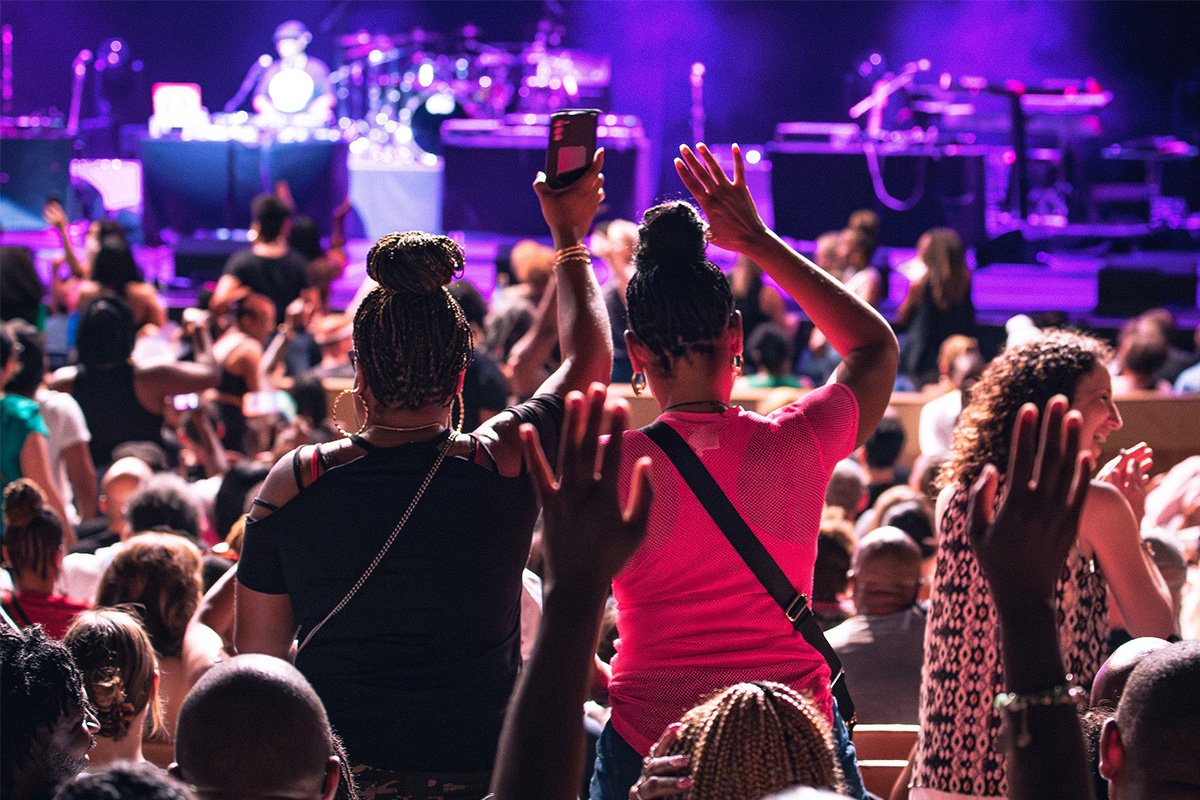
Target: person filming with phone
{"points": [[394, 556]]}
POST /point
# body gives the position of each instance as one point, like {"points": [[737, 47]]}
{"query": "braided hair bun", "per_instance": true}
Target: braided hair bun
{"points": [[414, 262], [671, 236], [679, 303], [23, 503], [412, 338]]}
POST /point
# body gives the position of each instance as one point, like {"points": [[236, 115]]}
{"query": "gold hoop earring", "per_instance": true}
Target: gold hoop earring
{"points": [[638, 382], [338, 424], [737, 364]]}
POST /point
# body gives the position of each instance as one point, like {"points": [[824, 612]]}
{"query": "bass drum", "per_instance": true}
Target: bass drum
{"points": [[424, 114]]}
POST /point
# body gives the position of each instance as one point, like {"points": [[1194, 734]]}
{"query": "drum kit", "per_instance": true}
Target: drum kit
{"points": [[395, 90]]}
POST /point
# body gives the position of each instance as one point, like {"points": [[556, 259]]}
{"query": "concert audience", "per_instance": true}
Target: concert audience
{"points": [[403, 732]]}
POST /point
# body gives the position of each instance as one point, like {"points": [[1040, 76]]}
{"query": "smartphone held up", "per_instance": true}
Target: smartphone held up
{"points": [[572, 145]]}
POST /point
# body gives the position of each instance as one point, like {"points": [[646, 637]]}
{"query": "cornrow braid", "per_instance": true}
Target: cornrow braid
{"points": [[410, 334], [1029, 373], [754, 739], [678, 301]]}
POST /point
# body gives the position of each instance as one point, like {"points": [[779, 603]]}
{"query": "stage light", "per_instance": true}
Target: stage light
{"points": [[753, 156]]}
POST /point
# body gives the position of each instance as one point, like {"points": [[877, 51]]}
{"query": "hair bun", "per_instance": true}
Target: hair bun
{"points": [[23, 502], [671, 234], [414, 262]]}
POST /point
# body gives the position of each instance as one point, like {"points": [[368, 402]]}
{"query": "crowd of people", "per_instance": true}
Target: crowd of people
{"points": [[214, 590]]}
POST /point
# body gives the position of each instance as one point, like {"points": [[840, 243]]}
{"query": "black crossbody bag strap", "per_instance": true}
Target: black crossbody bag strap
{"points": [[769, 573]]}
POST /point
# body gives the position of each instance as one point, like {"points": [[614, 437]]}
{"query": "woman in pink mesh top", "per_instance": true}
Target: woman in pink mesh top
{"points": [[692, 617]]}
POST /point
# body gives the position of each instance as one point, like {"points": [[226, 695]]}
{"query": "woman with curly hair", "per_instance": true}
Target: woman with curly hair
{"points": [[159, 575], [957, 754], [120, 674]]}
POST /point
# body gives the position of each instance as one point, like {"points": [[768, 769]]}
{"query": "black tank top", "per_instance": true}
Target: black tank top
{"points": [[112, 411]]}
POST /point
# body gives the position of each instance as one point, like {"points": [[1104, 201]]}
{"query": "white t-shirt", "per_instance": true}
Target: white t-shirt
{"points": [[938, 418], [64, 419]]}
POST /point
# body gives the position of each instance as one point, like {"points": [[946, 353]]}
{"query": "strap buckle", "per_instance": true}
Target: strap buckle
{"points": [[797, 607]]}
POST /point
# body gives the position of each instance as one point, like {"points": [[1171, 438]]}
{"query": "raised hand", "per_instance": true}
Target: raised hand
{"points": [[663, 775], [1023, 547], [733, 219], [1130, 473], [588, 536], [569, 211], [54, 215]]}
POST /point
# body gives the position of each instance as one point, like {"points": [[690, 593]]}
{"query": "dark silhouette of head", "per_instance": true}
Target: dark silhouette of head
{"points": [[253, 726], [44, 729], [106, 333], [271, 214], [126, 780]]}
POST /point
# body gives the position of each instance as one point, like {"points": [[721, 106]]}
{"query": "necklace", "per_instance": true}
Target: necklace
{"points": [[715, 406], [405, 430]]}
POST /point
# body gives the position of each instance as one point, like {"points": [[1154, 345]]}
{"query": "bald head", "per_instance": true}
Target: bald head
{"points": [[1149, 749], [847, 488], [120, 481], [1114, 673], [254, 726], [886, 572]]}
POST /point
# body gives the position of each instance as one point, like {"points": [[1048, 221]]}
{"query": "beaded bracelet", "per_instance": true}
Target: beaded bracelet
{"points": [[1013, 703]]}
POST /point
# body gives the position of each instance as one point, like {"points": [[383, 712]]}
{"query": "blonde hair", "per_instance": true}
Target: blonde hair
{"points": [[160, 573], [113, 651], [754, 739]]}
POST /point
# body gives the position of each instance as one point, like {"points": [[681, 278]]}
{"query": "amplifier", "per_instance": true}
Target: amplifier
{"points": [[490, 166]]}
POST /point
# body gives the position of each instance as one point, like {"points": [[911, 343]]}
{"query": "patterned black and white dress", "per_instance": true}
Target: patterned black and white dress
{"points": [[958, 754]]}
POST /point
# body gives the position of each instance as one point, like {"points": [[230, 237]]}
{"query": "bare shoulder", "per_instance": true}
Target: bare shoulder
{"points": [[63, 379], [500, 436], [1104, 498]]}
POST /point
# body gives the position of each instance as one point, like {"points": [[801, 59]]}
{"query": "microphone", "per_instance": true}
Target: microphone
{"points": [[252, 75]]}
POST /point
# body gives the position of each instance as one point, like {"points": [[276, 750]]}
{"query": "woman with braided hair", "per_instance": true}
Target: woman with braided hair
{"points": [[120, 674], [394, 556], [752, 740], [692, 616]]}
